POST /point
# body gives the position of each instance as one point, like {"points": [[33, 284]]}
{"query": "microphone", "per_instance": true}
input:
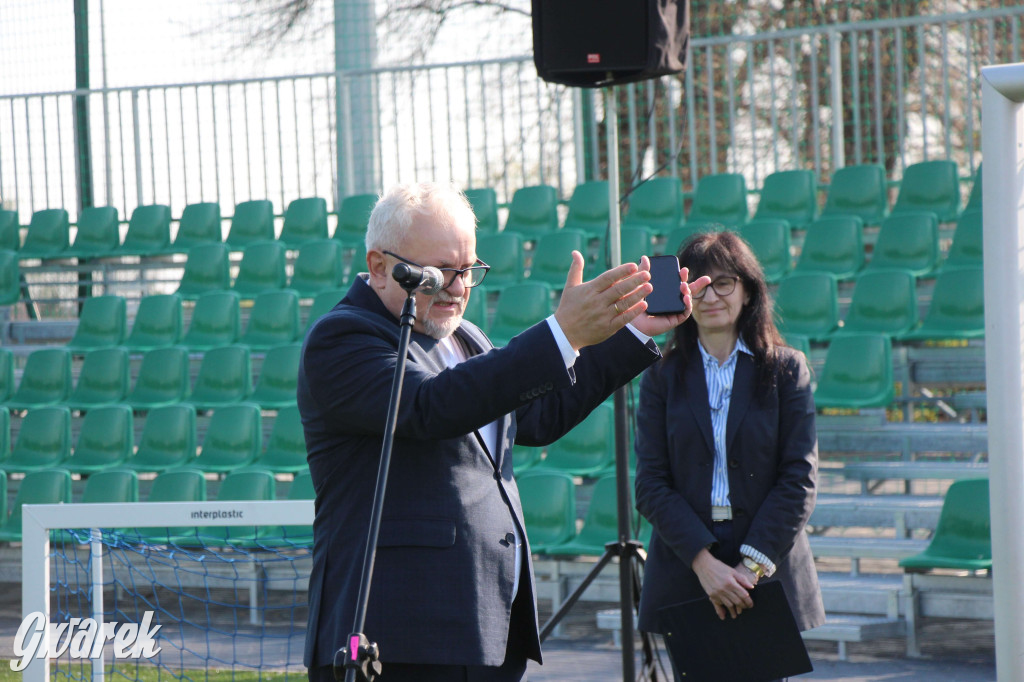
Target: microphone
{"points": [[428, 280]]}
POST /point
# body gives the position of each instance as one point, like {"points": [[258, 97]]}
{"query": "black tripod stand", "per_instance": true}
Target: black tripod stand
{"points": [[358, 660]]}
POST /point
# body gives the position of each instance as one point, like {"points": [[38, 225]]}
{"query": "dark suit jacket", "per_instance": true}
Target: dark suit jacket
{"points": [[443, 579], [772, 455]]}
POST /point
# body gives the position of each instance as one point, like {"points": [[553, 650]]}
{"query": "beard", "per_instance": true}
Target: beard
{"points": [[441, 330]]}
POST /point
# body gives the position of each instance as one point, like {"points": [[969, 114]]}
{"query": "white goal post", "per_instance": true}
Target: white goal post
{"points": [[1002, 144], [39, 520]]}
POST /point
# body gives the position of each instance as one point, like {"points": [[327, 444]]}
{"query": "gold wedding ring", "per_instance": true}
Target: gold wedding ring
{"points": [[617, 311]]}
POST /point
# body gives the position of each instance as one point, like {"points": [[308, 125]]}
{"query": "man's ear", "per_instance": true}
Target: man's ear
{"points": [[376, 263]]}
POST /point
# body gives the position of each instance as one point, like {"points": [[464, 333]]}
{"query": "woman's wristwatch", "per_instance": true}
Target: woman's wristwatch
{"points": [[754, 567]]}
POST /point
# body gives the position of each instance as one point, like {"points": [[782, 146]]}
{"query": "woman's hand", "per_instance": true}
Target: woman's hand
{"points": [[728, 588]]}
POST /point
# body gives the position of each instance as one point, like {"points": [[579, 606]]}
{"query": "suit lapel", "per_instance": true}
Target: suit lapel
{"points": [[697, 397], [474, 344], [742, 392]]}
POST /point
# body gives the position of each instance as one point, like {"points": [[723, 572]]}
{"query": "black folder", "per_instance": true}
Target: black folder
{"points": [[762, 643]]}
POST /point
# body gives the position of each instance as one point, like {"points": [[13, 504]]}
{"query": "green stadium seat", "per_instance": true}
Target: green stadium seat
{"points": [[10, 277], [286, 445], [835, 245], [105, 440], [588, 209], [163, 379], [158, 323], [357, 262], [44, 440], [519, 306], [180, 485], [857, 373], [206, 269], [907, 241], [634, 241], [278, 537], [199, 224], [322, 304], [5, 450], [262, 268], [167, 441], [149, 232], [224, 378], [957, 310], [588, 448], [791, 196], [253, 221], [304, 220], [533, 211], [963, 537], [278, 380], [966, 249], [552, 256], [47, 486], [720, 198], [47, 235], [883, 302], [273, 320], [484, 201], [46, 380], [109, 486], [770, 242], [216, 321], [800, 343], [504, 253], [102, 380], [353, 217], [318, 266], [98, 233], [252, 484], [656, 203], [860, 190], [930, 186], [807, 303], [675, 239], [476, 307], [7, 382], [233, 438], [525, 457], [102, 323], [974, 199], [10, 230], [601, 524], [549, 507]]}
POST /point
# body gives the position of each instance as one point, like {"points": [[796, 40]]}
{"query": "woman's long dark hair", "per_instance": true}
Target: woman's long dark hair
{"points": [[727, 252]]}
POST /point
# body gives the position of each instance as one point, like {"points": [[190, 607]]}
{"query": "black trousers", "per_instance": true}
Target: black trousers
{"points": [[512, 670], [728, 552]]}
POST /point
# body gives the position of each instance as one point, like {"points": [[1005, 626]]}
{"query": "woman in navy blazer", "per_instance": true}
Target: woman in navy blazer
{"points": [[727, 450]]}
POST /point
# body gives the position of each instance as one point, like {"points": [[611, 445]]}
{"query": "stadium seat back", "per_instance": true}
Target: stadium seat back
{"points": [[533, 211], [10, 277], [224, 378], [908, 241], [10, 230], [834, 244], [883, 301], [273, 320], [47, 236], [262, 268], [504, 253], [199, 224], [520, 306], [163, 378], [966, 249], [353, 217], [657, 204], [47, 486], [720, 198], [216, 321], [168, 439], [44, 440], [586, 449], [46, 379], [588, 209], [808, 303], [484, 201], [552, 254], [857, 372], [278, 380], [286, 445], [304, 220], [149, 231], [102, 380], [206, 269], [860, 190], [233, 438], [106, 439], [102, 323], [791, 196], [549, 507], [97, 234], [319, 265], [158, 323], [253, 221], [930, 186], [770, 241]]}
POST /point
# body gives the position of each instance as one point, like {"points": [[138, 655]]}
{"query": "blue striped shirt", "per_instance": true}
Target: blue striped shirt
{"points": [[719, 378]]}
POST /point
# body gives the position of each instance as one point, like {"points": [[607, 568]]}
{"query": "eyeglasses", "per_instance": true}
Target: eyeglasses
{"points": [[723, 286], [471, 277]]}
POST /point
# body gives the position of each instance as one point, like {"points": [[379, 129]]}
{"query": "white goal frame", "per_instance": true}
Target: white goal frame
{"points": [[38, 520], [1002, 144]]}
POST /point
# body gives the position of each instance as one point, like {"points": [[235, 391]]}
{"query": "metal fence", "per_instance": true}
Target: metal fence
{"points": [[889, 92]]}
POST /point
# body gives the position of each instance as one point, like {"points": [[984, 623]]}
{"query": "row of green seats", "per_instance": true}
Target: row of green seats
{"points": [[163, 378], [186, 484], [98, 234], [722, 199], [883, 301], [106, 439]]}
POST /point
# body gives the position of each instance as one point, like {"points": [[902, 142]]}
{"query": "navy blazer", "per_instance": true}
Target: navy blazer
{"points": [[443, 579], [772, 457]]}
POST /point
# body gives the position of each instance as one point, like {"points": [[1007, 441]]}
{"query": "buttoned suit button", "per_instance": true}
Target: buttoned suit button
{"points": [[733, 464], [510, 538], [549, 386]]}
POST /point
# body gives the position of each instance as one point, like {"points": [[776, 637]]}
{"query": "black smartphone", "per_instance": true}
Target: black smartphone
{"points": [[665, 299]]}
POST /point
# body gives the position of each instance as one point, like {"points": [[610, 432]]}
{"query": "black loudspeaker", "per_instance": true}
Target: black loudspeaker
{"points": [[596, 43]]}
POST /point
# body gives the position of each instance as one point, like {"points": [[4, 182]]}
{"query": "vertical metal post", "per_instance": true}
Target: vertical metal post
{"points": [[137, 137], [1002, 138], [835, 65], [83, 153], [96, 558], [355, 49]]}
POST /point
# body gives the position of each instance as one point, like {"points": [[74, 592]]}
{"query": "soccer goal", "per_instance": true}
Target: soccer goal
{"points": [[185, 587]]}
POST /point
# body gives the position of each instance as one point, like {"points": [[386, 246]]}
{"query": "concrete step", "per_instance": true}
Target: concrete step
{"points": [[842, 628]]}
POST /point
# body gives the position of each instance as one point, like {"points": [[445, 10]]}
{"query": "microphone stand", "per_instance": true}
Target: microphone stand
{"points": [[358, 660]]}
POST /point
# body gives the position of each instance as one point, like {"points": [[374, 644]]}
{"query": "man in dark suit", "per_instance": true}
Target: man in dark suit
{"points": [[452, 596]]}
